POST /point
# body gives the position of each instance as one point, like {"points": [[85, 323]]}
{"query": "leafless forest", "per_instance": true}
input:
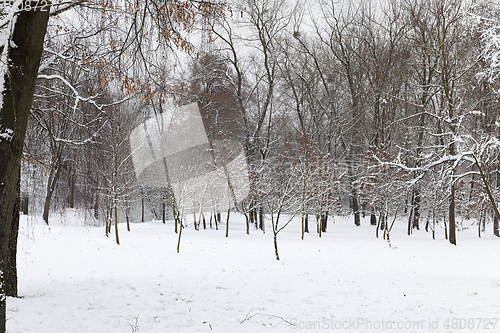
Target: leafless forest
{"points": [[388, 109], [384, 109]]}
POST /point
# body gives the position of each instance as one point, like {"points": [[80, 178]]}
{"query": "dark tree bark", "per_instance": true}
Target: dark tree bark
{"points": [[496, 229], [142, 208], [255, 217], [96, 209], [24, 205], [51, 187], [410, 217], [324, 221], [276, 246], [176, 218], [373, 217], [355, 208], [416, 209], [163, 211], [250, 217], [306, 223], [10, 275], [24, 60], [261, 219], [127, 217], [451, 216], [72, 191], [227, 221]]}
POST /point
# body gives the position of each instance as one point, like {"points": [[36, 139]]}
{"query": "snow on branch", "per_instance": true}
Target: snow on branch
{"points": [[6, 134], [489, 29], [456, 159], [7, 27], [79, 98], [491, 52]]}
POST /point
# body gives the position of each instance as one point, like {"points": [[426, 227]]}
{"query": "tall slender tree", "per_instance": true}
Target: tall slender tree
{"points": [[23, 35]]}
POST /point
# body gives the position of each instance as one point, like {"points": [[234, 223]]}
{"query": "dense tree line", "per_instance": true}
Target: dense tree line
{"points": [[369, 108], [382, 108], [392, 97], [86, 55]]}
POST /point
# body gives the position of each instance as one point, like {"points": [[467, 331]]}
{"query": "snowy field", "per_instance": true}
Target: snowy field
{"points": [[73, 279]]}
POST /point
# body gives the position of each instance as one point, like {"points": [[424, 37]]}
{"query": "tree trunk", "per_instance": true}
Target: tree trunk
{"points": [[255, 217], [176, 219], [433, 228], [355, 208], [276, 246], [302, 226], [481, 217], [227, 222], [127, 217], [19, 84], [451, 214], [416, 209], [180, 234], [25, 205], [10, 275], [378, 223], [51, 186], [496, 229], [373, 217], [142, 208], [410, 217], [194, 219], [445, 228], [261, 219], [163, 217], [324, 221], [306, 223], [72, 191], [318, 224], [116, 225], [106, 221], [251, 212]]}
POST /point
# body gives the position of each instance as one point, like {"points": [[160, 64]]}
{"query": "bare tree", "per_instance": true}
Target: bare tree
{"points": [[24, 24], [385, 185], [342, 34], [20, 69], [256, 74]]}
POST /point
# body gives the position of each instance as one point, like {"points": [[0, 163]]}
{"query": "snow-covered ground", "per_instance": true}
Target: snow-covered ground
{"points": [[73, 279]]}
